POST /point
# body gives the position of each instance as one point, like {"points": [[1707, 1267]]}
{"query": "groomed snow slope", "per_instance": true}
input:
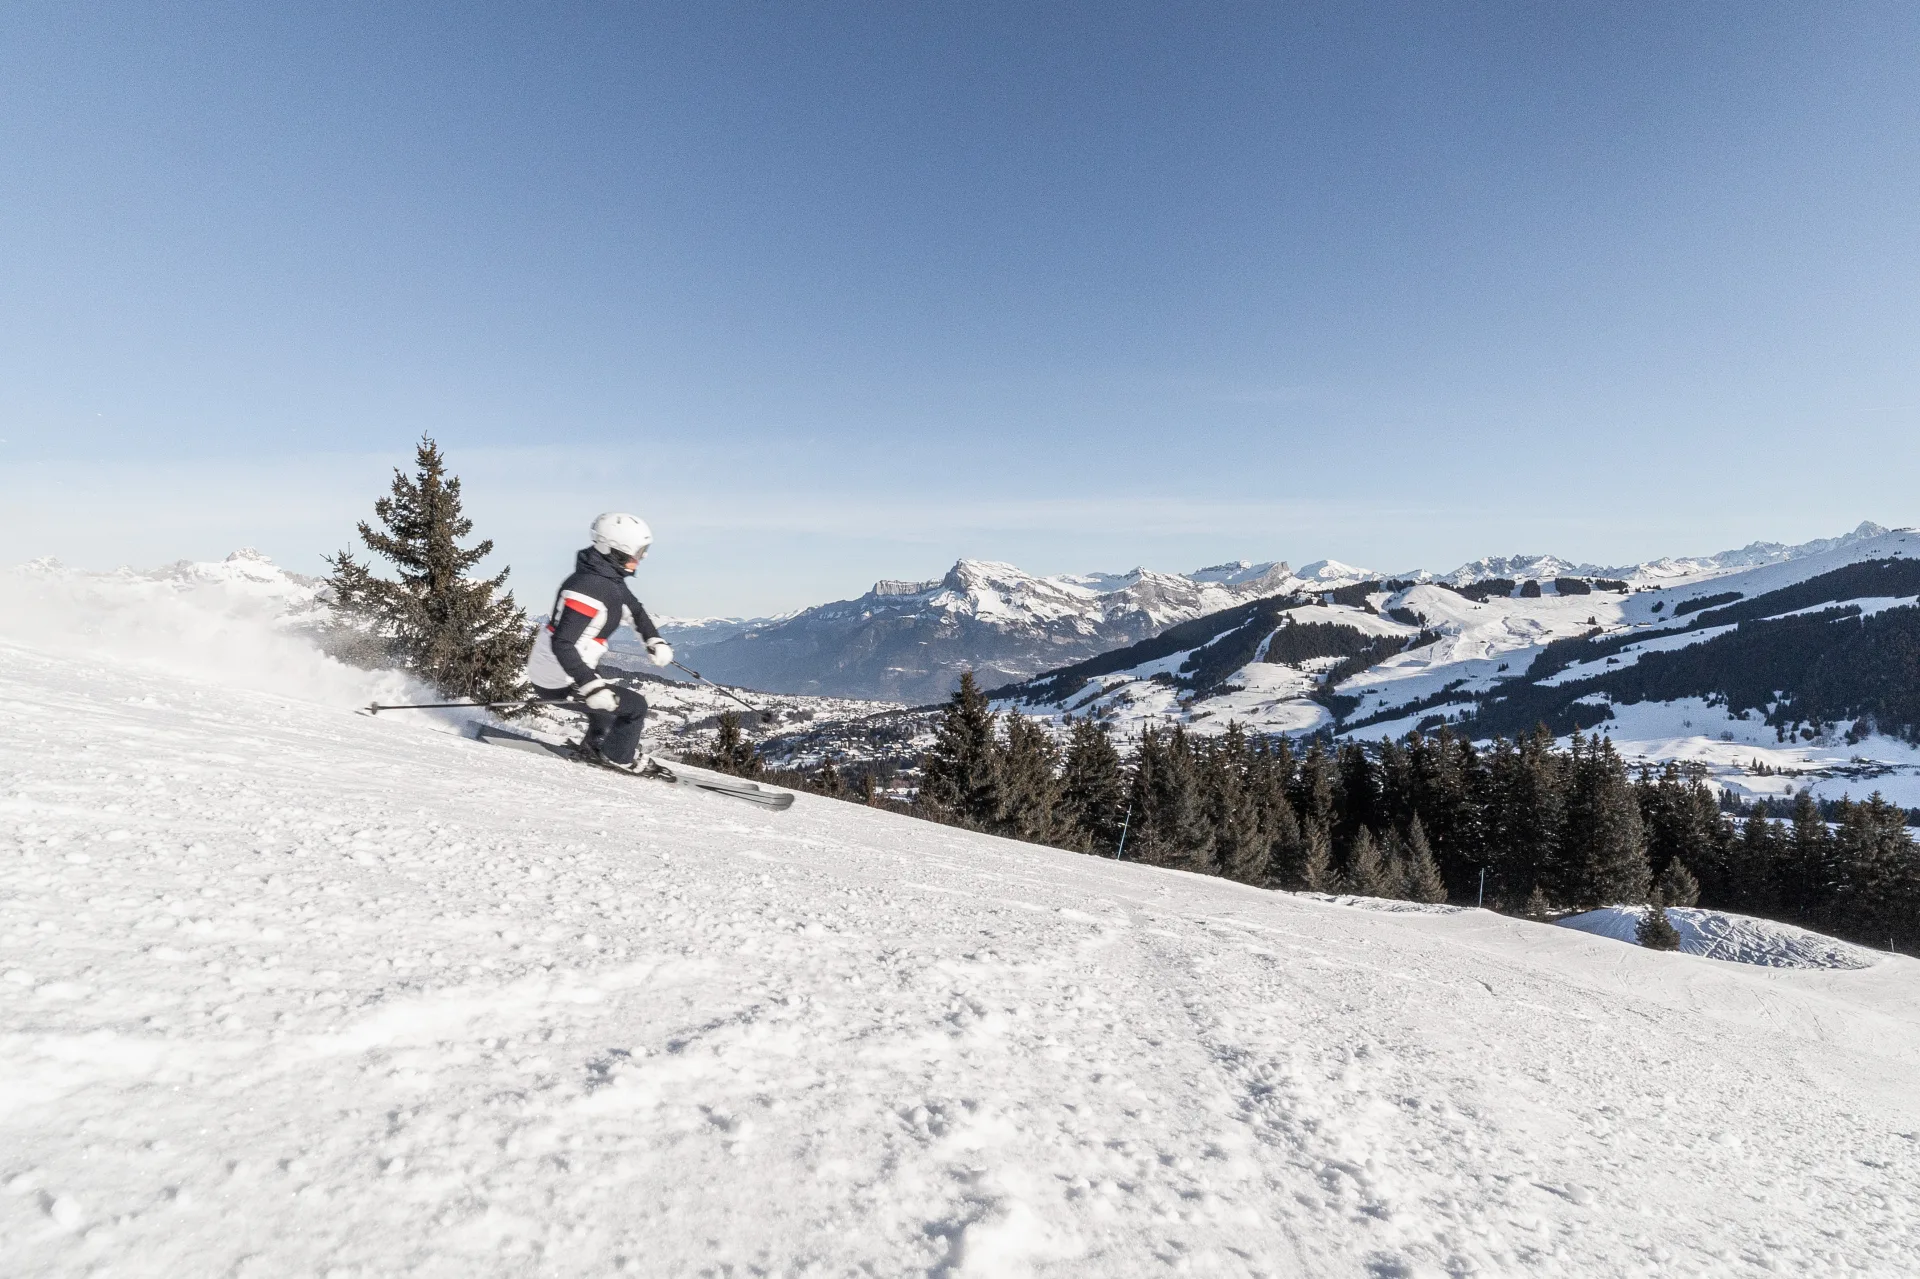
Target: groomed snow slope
{"points": [[294, 991]]}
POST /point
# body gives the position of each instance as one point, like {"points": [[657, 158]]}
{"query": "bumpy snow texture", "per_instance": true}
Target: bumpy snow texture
{"points": [[1719, 934], [294, 991]]}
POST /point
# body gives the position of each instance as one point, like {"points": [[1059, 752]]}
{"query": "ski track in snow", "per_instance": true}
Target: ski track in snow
{"points": [[293, 991]]}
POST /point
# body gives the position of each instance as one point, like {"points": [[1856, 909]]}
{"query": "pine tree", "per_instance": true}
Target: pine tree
{"points": [[1093, 795], [1169, 823], [455, 631], [1365, 876], [827, 780], [1181, 817], [732, 752], [1312, 788], [1450, 783], [1423, 882], [1393, 865], [1656, 931], [1399, 789], [1142, 835], [959, 775], [1676, 885], [1026, 779], [1286, 842], [1603, 855], [1537, 907], [1316, 873], [1757, 881], [1273, 769], [867, 792], [1681, 815], [1239, 845], [1358, 784], [1875, 872], [1526, 816], [1807, 882]]}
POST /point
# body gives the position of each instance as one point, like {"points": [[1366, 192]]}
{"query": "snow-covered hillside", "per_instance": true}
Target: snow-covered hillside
{"points": [[1457, 648], [291, 990]]}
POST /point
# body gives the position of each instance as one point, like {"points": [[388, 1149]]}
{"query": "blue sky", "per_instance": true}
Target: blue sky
{"points": [[836, 292]]}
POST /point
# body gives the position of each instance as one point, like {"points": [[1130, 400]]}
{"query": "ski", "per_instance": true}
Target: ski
{"points": [[751, 792]]}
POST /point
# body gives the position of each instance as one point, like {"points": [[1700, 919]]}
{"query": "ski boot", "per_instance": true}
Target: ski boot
{"points": [[641, 765]]}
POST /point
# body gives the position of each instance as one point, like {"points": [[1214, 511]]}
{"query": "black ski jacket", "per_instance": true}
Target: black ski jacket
{"points": [[588, 608]]}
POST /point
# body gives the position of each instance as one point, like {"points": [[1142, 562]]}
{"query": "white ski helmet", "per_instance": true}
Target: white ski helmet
{"points": [[627, 534]]}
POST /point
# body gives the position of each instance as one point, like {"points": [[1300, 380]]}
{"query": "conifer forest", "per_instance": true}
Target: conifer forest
{"points": [[1518, 825]]}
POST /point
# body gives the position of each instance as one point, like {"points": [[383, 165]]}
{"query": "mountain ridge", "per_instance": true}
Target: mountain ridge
{"points": [[1794, 674], [908, 640]]}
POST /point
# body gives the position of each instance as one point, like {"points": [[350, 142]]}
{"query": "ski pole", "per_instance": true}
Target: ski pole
{"points": [[377, 707], [766, 717]]}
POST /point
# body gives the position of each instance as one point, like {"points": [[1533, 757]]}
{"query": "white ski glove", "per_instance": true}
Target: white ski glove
{"points": [[597, 694], [660, 651]]}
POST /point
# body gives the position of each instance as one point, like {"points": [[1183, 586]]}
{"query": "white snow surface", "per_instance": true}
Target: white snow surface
{"points": [[285, 989], [1719, 934]]}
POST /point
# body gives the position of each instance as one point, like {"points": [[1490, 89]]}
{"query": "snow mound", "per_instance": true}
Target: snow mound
{"points": [[1744, 939]]}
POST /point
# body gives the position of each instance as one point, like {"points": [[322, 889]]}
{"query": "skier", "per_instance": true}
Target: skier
{"points": [[590, 607]]}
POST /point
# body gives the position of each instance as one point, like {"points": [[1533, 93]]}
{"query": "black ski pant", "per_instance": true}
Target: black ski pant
{"points": [[615, 733]]}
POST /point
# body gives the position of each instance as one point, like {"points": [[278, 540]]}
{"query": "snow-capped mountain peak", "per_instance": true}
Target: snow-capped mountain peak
{"points": [[1239, 572], [1325, 573], [910, 640], [1753, 555], [1539, 567], [1663, 570]]}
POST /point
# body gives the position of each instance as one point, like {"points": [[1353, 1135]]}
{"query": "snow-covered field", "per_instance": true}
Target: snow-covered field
{"points": [[1746, 756], [291, 990]]}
